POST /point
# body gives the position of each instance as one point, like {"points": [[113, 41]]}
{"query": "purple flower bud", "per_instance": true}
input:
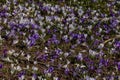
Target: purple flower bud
{"points": [[118, 66], [64, 21], [114, 23], [99, 71], [66, 71], [96, 42], [1, 66], [56, 41], [74, 74], [57, 51], [74, 36], [5, 52], [32, 42], [79, 57], [117, 44], [44, 57], [51, 69], [35, 76], [54, 56], [36, 36], [21, 74]]}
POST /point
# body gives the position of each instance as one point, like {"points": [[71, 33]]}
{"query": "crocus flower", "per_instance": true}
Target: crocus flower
{"points": [[50, 69], [21, 74], [118, 66], [34, 76], [1, 66]]}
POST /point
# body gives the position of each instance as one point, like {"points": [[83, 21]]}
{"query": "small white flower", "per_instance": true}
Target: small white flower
{"points": [[5, 20], [34, 68], [15, 41], [43, 30], [16, 54], [80, 56], [46, 48], [12, 71], [46, 51], [93, 12], [97, 14], [72, 27], [48, 27], [100, 29], [90, 27], [12, 65], [22, 54], [27, 67], [44, 79], [80, 12], [83, 51], [68, 62], [89, 78], [55, 78], [65, 66], [95, 18], [93, 53], [52, 13], [18, 68], [82, 66], [49, 74], [77, 64], [7, 59], [60, 58], [33, 78], [106, 19], [101, 46], [10, 52], [35, 62], [66, 54], [40, 77], [28, 57]]}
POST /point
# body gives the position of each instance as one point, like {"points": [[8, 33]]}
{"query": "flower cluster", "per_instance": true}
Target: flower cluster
{"points": [[60, 40]]}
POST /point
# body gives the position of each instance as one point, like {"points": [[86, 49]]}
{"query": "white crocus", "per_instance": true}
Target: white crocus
{"points": [[34, 68], [93, 53], [18, 68], [55, 78], [28, 57]]}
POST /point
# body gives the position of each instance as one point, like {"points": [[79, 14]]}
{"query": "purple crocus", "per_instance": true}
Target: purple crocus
{"points": [[65, 38], [50, 69], [44, 57], [35, 76], [114, 23], [107, 28], [118, 66], [21, 74], [117, 44], [1, 66], [74, 36], [66, 71], [79, 56], [103, 62], [58, 51], [5, 52], [54, 39], [36, 36]]}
